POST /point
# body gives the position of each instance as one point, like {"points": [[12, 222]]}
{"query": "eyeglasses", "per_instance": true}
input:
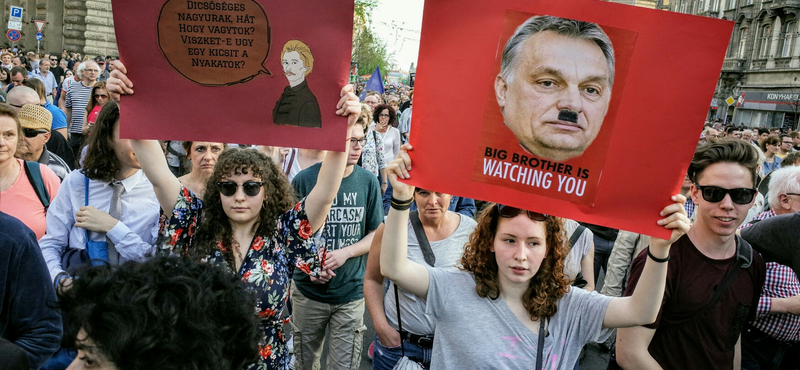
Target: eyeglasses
{"points": [[251, 188], [98, 96], [362, 140], [715, 194], [511, 212], [29, 132]]}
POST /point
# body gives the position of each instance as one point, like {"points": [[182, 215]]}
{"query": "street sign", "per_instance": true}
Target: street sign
{"points": [[15, 25], [16, 14], [39, 36], [13, 35], [730, 100], [39, 26]]}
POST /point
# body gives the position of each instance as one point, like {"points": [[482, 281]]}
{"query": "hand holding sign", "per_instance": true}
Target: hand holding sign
{"points": [[215, 43]]}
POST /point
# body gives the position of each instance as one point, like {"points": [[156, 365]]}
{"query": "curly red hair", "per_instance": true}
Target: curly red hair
{"points": [[547, 286]]}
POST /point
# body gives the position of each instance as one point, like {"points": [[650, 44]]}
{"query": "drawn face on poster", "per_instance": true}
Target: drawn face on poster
{"points": [[297, 105], [553, 93]]}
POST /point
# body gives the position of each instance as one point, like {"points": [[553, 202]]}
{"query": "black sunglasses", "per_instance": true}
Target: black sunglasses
{"points": [[29, 132], [228, 188], [510, 212], [716, 194]]}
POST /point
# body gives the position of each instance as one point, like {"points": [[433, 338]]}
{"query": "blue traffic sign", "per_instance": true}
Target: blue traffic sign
{"points": [[13, 35], [39, 36], [16, 12]]}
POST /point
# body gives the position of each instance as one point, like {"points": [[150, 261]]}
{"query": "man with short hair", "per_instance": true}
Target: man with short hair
{"points": [[48, 78], [793, 159], [785, 147], [775, 131], [554, 85], [336, 299], [78, 96], [35, 122], [711, 134], [18, 74], [692, 331], [373, 99], [763, 134]]}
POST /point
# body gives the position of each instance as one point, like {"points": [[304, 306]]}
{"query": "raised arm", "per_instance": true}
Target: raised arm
{"points": [[642, 307], [320, 199], [394, 250], [148, 152]]}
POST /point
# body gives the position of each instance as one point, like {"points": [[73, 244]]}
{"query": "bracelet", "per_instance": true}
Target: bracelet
{"points": [[402, 205], [654, 258], [59, 277]]}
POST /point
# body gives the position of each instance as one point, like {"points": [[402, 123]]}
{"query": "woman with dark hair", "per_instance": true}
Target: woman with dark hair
{"points": [[5, 78], [111, 182], [97, 99], [202, 156], [511, 286], [770, 147], [385, 118], [248, 221], [166, 314]]}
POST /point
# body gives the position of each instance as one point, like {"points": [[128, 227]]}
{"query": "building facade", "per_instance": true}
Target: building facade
{"points": [[761, 70], [82, 26]]}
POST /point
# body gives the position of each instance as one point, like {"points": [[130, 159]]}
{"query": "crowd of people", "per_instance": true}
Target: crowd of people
{"points": [[144, 254]]}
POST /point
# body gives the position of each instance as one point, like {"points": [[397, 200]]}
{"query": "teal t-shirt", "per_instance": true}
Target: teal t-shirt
{"points": [[356, 211]]}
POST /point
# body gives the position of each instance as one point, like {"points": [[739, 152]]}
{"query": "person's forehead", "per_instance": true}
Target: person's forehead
{"points": [[550, 49], [727, 175]]}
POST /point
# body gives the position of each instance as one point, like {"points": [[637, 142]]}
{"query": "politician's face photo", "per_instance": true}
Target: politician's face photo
{"points": [[554, 88]]}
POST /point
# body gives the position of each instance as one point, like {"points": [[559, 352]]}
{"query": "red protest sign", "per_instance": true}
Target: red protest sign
{"points": [[239, 71], [584, 126]]}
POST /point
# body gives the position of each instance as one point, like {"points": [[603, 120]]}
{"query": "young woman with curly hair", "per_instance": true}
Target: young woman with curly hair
{"points": [[248, 221], [489, 313]]}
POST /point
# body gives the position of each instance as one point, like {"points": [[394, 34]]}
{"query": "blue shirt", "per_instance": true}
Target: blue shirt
{"points": [[59, 118]]}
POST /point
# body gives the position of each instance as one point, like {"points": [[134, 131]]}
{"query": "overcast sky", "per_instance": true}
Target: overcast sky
{"points": [[399, 24]]}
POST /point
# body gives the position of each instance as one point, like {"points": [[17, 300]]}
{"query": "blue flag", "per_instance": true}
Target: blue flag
{"points": [[375, 83]]}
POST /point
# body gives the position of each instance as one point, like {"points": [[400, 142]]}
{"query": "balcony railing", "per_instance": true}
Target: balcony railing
{"points": [[759, 64], [782, 62], [733, 65]]}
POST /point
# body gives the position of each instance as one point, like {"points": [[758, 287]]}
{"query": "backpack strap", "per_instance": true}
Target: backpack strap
{"points": [[34, 174], [422, 239]]}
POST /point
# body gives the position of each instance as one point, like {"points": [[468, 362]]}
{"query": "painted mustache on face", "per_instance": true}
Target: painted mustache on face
{"points": [[567, 115]]}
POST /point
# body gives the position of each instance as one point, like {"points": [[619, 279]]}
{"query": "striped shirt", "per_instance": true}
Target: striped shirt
{"points": [[781, 282], [78, 97]]}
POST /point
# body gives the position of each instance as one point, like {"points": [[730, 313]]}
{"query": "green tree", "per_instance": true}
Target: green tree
{"points": [[369, 50]]}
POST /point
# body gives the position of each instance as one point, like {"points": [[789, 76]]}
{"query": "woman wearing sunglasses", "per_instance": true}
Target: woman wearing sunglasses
{"points": [[248, 221], [510, 305], [99, 98]]}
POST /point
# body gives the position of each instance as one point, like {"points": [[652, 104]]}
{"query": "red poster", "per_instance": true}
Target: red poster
{"points": [[238, 71], [582, 109]]}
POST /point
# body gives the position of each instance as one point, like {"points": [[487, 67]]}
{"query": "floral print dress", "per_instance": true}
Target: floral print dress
{"points": [[267, 268]]}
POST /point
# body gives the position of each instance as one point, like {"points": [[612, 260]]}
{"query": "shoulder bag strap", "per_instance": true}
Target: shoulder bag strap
{"points": [[86, 203], [287, 167], [576, 235], [726, 282], [422, 239], [34, 174], [399, 322], [540, 348]]}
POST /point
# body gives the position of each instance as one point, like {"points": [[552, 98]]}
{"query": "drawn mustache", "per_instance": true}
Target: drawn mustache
{"points": [[567, 115]]}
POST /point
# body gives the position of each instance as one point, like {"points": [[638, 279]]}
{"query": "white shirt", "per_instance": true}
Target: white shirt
{"points": [[391, 142], [49, 81], [134, 236]]}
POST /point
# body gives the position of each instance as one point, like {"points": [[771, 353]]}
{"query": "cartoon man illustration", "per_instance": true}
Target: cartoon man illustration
{"points": [[554, 85], [297, 105]]}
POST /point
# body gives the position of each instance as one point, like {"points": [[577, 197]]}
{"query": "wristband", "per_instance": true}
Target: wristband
{"points": [[61, 276], [402, 205], [654, 258]]}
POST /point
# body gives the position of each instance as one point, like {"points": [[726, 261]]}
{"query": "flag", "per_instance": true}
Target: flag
{"points": [[374, 83]]}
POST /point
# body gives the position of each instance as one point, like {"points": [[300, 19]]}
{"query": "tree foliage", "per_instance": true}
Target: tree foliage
{"points": [[369, 50]]}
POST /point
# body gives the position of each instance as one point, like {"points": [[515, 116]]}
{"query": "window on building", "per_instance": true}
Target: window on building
{"points": [[748, 2], [764, 41], [714, 5], [700, 6], [788, 39], [731, 4], [742, 40]]}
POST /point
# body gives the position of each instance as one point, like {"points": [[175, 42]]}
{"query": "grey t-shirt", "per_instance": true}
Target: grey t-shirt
{"points": [[448, 253], [482, 333]]}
